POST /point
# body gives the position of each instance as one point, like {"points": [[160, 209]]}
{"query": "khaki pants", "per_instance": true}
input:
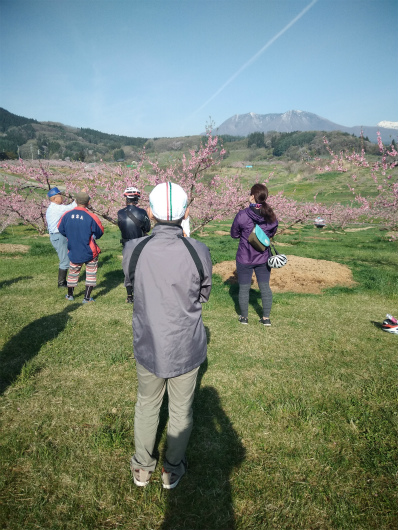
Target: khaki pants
{"points": [[151, 391]]}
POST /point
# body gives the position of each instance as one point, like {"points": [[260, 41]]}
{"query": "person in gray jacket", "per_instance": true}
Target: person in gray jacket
{"points": [[171, 275]]}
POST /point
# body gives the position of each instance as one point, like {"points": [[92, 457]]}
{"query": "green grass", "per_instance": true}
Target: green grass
{"points": [[296, 426], [298, 180]]}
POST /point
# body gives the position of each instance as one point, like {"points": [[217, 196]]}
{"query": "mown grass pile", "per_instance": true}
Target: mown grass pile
{"points": [[295, 425]]}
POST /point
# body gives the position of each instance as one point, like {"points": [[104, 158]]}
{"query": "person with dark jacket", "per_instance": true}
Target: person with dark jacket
{"points": [[172, 279], [133, 223], [82, 228], [248, 259]]}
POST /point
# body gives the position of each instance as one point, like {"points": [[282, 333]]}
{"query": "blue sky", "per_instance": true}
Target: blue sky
{"points": [[156, 68]]}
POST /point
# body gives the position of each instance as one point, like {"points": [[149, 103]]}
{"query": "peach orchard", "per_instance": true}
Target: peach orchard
{"points": [[212, 196]]}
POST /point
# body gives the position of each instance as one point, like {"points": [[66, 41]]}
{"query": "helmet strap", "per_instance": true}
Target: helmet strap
{"points": [[276, 253]]}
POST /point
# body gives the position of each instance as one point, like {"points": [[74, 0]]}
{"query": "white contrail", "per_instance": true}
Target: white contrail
{"points": [[257, 55]]}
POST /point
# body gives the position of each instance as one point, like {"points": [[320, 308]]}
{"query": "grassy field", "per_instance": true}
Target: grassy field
{"points": [[296, 426], [296, 179]]}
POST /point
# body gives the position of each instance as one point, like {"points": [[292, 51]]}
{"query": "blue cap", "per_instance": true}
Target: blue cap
{"points": [[52, 192]]}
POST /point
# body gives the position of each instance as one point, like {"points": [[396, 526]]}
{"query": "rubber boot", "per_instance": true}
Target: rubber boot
{"points": [[62, 277], [87, 298], [69, 296]]}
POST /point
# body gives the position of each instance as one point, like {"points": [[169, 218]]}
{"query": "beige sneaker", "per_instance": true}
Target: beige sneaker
{"points": [[141, 477], [171, 480]]}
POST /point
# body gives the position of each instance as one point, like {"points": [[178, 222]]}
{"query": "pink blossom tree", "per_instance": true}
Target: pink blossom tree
{"points": [[212, 196], [381, 179], [21, 201]]}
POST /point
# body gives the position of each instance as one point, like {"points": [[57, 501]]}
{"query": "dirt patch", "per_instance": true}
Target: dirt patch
{"points": [[310, 238], [358, 229], [222, 233], [8, 248], [300, 275], [287, 231]]}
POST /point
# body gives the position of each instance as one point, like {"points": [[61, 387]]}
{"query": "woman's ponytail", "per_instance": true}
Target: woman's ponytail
{"points": [[260, 192]]}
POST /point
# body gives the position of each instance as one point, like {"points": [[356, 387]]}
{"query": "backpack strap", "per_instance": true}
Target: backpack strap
{"points": [[134, 219], [134, 258], [140, 247], [195, 257]]}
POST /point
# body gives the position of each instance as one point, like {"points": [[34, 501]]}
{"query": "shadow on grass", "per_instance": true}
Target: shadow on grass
{"points": [[111, 280], [26, 344], [203, 498], [208, 335], [7, 283], [377, 325]]}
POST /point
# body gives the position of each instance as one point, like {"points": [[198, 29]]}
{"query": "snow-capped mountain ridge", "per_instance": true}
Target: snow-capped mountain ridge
{"points": [[299, 120], [388, 124]]}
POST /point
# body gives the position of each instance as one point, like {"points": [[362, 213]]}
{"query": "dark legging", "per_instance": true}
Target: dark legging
{"points": [[245, 273]]}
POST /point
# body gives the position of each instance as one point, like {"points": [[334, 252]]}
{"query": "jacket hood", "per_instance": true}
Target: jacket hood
{"points": [[255, 216]]}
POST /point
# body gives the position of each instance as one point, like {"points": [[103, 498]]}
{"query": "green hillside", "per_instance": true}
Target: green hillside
{"points": [[30, 139]]}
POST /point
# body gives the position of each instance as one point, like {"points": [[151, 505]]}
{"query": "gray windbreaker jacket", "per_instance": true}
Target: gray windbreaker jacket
{"points": [[169, 335]]}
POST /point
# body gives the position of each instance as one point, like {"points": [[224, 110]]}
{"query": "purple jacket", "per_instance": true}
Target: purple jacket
{"points": [[241, 227]]}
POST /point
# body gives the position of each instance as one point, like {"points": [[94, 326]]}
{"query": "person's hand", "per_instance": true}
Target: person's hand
{"points": [[149, 213]]}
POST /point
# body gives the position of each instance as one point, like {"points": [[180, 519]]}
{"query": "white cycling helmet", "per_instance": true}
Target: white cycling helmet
{"points": [[277, 261], [132, 193]]}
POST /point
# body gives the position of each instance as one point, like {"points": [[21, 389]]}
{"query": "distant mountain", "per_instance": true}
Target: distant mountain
{"points": [[296, 120], [29, 138]]}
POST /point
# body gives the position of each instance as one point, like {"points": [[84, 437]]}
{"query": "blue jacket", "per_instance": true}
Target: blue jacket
{"points": [[241, 228], [81, 228]]}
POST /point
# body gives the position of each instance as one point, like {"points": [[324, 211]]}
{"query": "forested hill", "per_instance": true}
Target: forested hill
{"points": [[30, 138], [7, 120]]}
